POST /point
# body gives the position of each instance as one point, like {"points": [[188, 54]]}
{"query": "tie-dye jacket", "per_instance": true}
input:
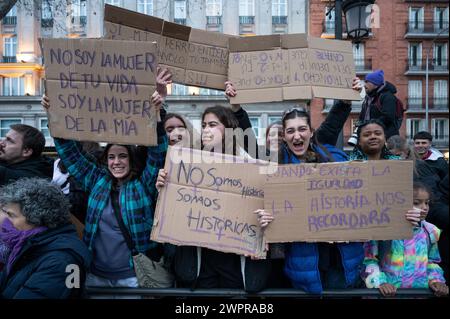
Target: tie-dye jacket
{"points": [[409, 263]]}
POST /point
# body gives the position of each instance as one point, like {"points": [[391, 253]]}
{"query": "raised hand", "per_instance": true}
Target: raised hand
{"points": [[163, 78]]}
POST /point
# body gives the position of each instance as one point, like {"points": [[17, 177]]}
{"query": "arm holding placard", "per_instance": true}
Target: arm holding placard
{"points": [[328, 131], [242, 117]]}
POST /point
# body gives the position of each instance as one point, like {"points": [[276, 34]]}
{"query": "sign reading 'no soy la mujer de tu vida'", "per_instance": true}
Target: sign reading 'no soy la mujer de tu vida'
{"points": [[100, 90]]}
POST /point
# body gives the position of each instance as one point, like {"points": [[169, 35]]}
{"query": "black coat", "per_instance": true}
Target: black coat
{"points": [[41, 268], [33, 167], [387, 113]]}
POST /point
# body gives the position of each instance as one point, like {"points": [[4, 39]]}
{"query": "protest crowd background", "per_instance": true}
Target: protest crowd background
{"points": [[308, 164]]}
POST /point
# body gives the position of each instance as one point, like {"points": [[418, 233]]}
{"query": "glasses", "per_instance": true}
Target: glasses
{"points": [[294, 109]]}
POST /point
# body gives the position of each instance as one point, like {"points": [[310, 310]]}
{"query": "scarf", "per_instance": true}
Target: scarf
{"points": [[426, 155], [15, 239], [358, 154]]}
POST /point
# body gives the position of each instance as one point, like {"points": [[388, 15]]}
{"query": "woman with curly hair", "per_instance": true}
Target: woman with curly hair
{"points": [[42, 243]]}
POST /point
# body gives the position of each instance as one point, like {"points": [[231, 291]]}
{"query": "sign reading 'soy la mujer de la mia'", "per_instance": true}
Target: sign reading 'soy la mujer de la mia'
{"points": [[350, 201], [100, 90]]}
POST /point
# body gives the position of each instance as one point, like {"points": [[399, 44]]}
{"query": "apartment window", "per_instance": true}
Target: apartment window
{"points": [[180, 9], [416, 21], [13, 86], [358, 56], [117, 3], [439, 128], [273, 119], [415, 93], [279, 11], [415, 55], [5, 125], [9, 49], [145, 6], [179, 89], [440, 55], [214, 8], [46, 15], [43, 127], [246, 11], [440, 97], [440, 19], [256, 126], [79, 12], [413, 126], [11, 17], [329, 20], [204, 91]]}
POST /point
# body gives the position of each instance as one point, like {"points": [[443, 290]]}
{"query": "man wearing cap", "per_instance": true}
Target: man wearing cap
{"points": [[380, 102]]}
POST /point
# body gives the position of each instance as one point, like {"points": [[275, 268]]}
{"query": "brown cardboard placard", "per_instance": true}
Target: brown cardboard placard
{"points": [[195, 57], [100, 90], [290, 67], [209, 201], [348, 201]]}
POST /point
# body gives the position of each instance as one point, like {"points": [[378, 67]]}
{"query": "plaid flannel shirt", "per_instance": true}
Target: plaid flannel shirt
{"points": [[136, 197]]}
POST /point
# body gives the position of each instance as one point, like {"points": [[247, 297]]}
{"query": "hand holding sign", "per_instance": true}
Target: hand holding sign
{"points": [[163, 78]]}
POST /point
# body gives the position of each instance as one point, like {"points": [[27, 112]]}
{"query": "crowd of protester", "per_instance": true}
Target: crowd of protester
{"points": [[108, 196]]}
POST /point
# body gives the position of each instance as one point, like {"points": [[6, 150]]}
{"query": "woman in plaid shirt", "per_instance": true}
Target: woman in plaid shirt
{"points": [[134, 189]]}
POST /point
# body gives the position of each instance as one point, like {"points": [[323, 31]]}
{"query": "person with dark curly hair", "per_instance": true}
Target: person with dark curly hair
{"points": [[45, 257]]}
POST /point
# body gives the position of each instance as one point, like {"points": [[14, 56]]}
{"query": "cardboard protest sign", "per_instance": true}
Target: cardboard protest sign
{"points": [[100, 90], [290, 67], [351, 201], [209, 201], [195, 57]]}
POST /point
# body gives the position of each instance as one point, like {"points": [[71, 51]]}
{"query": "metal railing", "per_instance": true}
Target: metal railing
{"points": [[9, 20], [279, 19], [180, 21], [92, 292], [363, 64], [433, 65], [418, 103], [9, 59], [47, 23], [215, 20], [246, 20], [428, 27]]}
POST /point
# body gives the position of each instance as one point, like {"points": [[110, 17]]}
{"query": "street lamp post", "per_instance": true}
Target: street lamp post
{"points": [[356, 17], [426, 77]]}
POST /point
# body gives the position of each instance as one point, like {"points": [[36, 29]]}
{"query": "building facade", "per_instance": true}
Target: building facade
{"points": [[410, 30], [21, 70]]}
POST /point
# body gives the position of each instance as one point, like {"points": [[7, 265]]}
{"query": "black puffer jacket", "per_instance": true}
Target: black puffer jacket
{"points": [[33, 167], [386, 111]]}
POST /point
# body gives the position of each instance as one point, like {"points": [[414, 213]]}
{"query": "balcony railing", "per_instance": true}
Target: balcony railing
{"points": [[434, 65], [9, 59], [418, 103], [440, 103], [279, 19], [180, 21], [79, 20], [427, 27], [246, 20], [47, 23], [214, 20], [439, 140], [9, 20], [415, 103], [363, 65], [93, 292]]}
